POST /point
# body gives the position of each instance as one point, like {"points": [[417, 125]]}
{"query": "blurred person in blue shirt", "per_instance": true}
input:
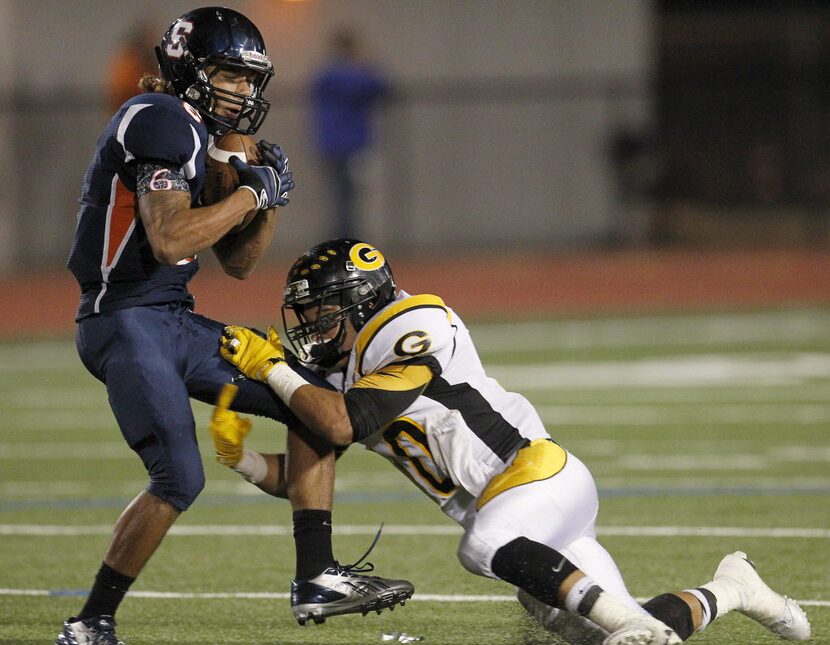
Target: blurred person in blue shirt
{"points": [[345, 94]]}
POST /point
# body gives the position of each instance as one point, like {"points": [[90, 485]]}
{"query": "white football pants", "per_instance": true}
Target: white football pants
{"points": [[559, 511]]}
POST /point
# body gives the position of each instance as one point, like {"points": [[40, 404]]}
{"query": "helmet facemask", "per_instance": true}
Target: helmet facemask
{"points": [[204, 40], [352, 299], [196, 87], [334, 282]]}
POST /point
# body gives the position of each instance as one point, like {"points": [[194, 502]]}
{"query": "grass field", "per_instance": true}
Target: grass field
{"points": [[707, 433]]}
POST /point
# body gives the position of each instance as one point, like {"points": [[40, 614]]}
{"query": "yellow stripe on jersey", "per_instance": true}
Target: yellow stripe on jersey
{"points": [[397, 378], [390, 313], [542, 459], [379, 397]]}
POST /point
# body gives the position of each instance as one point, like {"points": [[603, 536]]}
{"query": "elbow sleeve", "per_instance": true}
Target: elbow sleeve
{"points": [[369, 410]]}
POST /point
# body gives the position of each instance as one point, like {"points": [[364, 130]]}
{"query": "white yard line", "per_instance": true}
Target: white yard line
{"points": [[66, 450], [615, 415], [713, 413], [648, 331], [265, 595], [416, 530], [797, 325], [699, 370]]}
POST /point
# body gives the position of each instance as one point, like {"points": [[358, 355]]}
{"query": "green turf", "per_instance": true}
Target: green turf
{"points": [[736, 450]]}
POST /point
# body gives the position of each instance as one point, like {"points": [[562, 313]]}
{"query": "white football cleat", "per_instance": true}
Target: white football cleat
{"points": [[779, 614], [644, 630]]}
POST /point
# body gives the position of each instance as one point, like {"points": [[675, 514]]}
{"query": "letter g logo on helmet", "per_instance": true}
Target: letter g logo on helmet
{"points": [[366, 257]]}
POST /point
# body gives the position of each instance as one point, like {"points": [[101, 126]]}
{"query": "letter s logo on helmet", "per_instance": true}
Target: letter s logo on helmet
{"points": [[366, 257], [174, 48]]}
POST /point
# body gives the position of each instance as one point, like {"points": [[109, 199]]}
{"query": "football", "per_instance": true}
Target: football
{"points": [[220, 178]]}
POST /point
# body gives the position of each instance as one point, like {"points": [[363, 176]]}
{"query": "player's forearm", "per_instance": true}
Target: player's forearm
{"points": [[324, 413], [239, 253], [176, 231]]}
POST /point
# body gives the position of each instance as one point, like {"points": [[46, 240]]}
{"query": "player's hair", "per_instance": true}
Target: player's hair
{"points": [[152, 83]]}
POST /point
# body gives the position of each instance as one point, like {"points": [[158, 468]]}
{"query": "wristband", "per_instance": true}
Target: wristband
{"points": [[261, 198], [252, 466], [284, 381]]}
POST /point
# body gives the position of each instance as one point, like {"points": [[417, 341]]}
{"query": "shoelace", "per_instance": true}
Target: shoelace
{"points": [[357, 568]]}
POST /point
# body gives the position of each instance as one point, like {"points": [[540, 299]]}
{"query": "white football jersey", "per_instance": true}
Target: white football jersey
{"points": [[464, 428]]}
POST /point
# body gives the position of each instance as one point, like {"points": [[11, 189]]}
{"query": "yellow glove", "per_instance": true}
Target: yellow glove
{"points": [[252, 354], [228, 428]]}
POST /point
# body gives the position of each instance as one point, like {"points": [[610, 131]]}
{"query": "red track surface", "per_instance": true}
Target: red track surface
{"points": [[484, 285]]}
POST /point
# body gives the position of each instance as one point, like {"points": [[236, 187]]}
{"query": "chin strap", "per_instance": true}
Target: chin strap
{"points": [[327, 354]]}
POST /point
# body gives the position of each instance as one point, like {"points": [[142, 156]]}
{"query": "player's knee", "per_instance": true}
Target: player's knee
{"points": [[176, 475], [190, 488], [182, 492], [475, 555], [674, 612], [179, 483], [470, 555], [534, 567]]}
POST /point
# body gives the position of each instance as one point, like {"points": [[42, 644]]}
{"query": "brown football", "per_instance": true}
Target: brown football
{"points": [[220, 178]]}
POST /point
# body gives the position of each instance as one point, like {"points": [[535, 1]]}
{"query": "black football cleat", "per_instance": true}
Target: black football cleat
{"points": [[97, 630], [344, 590]]}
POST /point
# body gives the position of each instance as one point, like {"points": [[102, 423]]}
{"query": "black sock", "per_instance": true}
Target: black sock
{"points": [[673, 611], [107, 592], [312, 540]]}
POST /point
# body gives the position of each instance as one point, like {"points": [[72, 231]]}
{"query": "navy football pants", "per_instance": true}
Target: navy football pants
{"points": [[152, 360]]}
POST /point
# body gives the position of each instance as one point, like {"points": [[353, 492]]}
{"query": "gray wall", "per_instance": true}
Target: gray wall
{"points": [[499, 136]]}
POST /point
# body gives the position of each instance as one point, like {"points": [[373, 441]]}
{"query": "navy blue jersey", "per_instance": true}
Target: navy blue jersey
{"points": [[111, 257]]}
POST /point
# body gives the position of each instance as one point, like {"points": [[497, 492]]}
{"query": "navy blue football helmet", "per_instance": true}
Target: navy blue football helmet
{"points": [[215, 36], [350, 275]]}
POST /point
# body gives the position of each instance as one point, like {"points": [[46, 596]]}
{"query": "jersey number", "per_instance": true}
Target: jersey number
{"points": [[404, 435]]}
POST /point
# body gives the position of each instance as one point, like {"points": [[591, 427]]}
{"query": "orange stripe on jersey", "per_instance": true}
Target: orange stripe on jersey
{"points": [[121, 218]]}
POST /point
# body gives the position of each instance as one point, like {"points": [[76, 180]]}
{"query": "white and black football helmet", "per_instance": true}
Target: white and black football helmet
{"points": [[349, 274], [221, 37]]}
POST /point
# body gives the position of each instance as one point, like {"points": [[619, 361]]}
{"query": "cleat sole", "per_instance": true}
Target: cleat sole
{"points": [[319, 612]]}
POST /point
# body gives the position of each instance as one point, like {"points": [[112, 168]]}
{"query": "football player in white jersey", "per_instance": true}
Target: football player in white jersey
{"points": [[408, 384]]}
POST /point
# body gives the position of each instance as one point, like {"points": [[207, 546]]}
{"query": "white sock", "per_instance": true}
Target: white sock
{"points": [[725, 593], [587, 598], [704, 603], [252, 466], [582, 591]]}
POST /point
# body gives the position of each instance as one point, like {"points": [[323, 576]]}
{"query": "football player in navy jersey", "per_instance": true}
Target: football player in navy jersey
{"points": [[139, 230], [407, 383]]}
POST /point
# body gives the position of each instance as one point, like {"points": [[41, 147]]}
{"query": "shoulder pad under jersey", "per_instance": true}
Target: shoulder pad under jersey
{"points": [[160, 127], [408, 327]]}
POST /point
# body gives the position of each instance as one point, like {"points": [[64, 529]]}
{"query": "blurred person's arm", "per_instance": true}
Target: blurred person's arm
{"points": [[228, 430]]}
